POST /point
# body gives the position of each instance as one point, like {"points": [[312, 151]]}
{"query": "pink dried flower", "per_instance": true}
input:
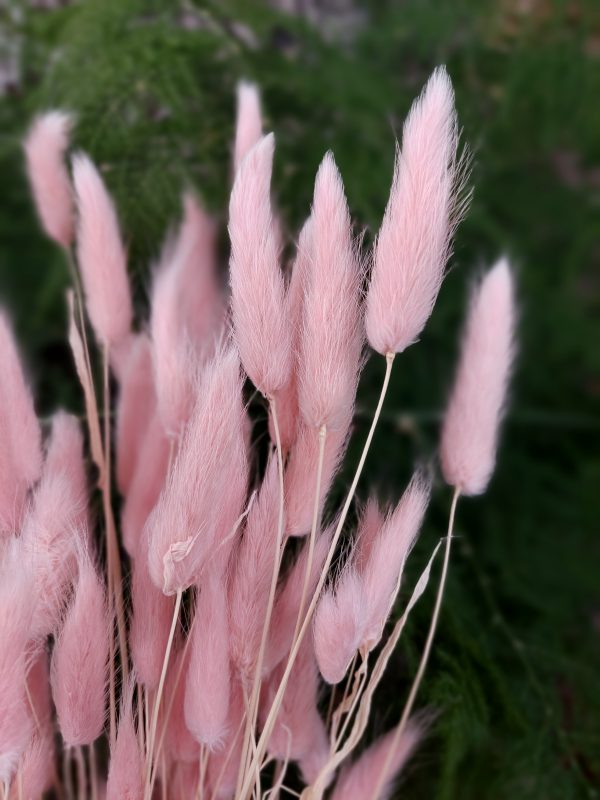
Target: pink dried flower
{"points": [[423, 209], [80, 659], [248, 128], [261, 331], [45, 146], [180, 744], [331, 333], [125, 770], [470, 429], [360, 779], [370, 523], [101, 254], [20, 438]]}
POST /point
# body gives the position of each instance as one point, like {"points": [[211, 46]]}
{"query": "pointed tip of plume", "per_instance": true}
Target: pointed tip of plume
{"points": [[248, 129], [125, 771], [424, 207], [331, 330], [471, 423], [45, 146], [260, 325], [101, 255]]}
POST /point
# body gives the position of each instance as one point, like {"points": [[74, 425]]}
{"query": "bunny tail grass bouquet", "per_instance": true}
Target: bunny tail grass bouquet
{"points": [[206, 648]]}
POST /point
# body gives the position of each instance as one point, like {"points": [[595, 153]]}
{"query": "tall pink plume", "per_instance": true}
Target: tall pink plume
{"points": [[56, 526], [252, 575], [331, 330], [101, 255], [360, 779], [370, 523], [126, 767], [470, 430], [146, 484], [20, 438], [206, 487], [339, 625], [150, 621], [382, 571], [45, 146], [80, 661], [180, 745], [224, 763], [286, 398], [289, 597], [248, 126], [261, 329], [301, 474], [135, 408], [424, 207], [207, 684], [17, 601]]}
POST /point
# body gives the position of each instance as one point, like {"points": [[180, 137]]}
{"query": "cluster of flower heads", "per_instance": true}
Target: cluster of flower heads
{"points": [[204, 663]]}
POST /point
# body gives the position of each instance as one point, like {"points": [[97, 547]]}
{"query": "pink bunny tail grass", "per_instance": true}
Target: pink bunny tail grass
{"points": [[261, 329], [80, 659], [248, 126], [253, 573], [289, 597], [135, 408], [207, 485], [224, 763], [470, 429], [65, 456], [101, 255], [382, 571], [150, 621], [370, 523], [425, 205], [126, 770], [146, 485], [45, 146], [17, 601], [331, 330], [36, 768], [207, 685], [20, 437], [180, 745], [360, 779], [301, 470], [339, 626]]}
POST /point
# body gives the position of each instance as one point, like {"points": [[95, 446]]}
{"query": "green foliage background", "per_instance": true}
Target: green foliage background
{"points": [[515, 670]]}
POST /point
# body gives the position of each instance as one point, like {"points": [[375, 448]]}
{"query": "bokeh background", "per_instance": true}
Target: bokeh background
{"points": [[515, 672]]}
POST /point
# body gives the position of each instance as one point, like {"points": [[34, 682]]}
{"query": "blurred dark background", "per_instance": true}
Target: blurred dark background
{"points": [[515, 673]]}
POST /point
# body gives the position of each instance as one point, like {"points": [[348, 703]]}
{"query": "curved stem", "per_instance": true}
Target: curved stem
{"points": [[269, 722], [426, 650]]}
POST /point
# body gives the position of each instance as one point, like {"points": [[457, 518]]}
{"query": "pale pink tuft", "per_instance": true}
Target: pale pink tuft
{"points": [[206, 487], [370, 523], [331, 331], [125, 770], [248, 128], [339, 625], [382, 571], [45, 146], [101, 254], [261, 329], [20, 438], [224, 763], [207, 686], [179, 742], [360, 779], [423, 209], [470, 429], [80, 661]]}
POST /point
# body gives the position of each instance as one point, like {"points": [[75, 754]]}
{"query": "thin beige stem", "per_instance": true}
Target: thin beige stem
{"points": [[313, 529], [217, 784], [140, 718], [362, 680], [426, 650], [81, 774], [93, 771], [161, 684], [32, 707], [270, 720], [254, 700], [67, 776], [20, 785]]}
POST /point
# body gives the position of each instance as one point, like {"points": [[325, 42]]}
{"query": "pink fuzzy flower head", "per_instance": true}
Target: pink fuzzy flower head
{"points": [[331, 328], [470, 430], [45, 147], [248, 128], [125, 771], [423, 208], [360, 779], [20, 436], [80, 661], [261, 328], [101, 255]]}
